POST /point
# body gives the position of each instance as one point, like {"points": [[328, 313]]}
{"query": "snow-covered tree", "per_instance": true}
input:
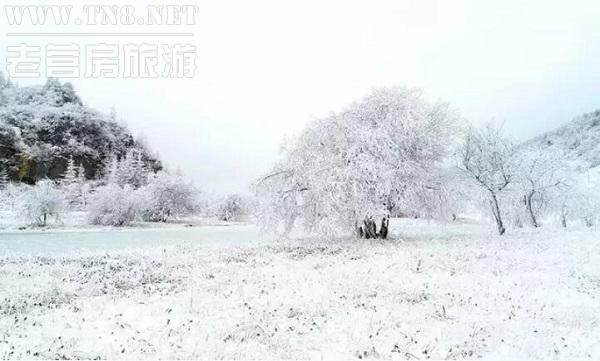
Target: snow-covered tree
{"points": [[488, 158], [114, 205], [83, 186], [346, 171], [579, 198], [72, 184], [112, 170], [81, 173], [70, 176], [233, 208], [541, 176], [4, 180], [167, 196], [12, 196], [131, 170], [40, 201]]}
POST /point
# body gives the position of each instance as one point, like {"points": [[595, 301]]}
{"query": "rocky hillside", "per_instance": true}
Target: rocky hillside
{"points": [[42, 127]]}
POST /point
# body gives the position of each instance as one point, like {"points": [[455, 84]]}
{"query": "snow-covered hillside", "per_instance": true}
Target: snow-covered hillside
{"points": [[441, 291], [42, 127], [579, 140]]}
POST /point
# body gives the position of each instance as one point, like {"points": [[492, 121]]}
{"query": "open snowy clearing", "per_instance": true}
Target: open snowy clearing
{"points": [[434, 291]]}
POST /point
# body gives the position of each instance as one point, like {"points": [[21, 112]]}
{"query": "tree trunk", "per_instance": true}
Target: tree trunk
{"points": [[497, 216], [384, 229], [528, 204], [368, 229], [563, 216]]}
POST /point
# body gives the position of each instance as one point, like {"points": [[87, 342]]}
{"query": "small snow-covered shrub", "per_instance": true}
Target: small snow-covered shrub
{"points": [[166, 196], [36, 203], [233, 208], [113, 205]]}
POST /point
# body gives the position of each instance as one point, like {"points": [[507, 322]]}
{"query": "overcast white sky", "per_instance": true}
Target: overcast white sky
{"points": [[265, 68]]}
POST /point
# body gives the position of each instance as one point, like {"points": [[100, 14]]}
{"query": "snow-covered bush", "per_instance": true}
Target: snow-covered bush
{"points": [[347, 170], [234, 208], [11, 196], [37, 203], [208, 204], [166, 196], [113, 205]]}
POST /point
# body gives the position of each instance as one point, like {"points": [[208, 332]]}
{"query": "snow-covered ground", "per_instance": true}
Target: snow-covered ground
{"points": [[77, 221], [69, 240], [73, 234], [434, 291]]}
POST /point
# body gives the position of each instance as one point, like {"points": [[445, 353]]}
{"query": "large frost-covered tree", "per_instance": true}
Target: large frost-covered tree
{"points": [[348, 170]]}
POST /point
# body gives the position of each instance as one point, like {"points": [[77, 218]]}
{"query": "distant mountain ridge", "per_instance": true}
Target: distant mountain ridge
{"points": [[579, 140]]}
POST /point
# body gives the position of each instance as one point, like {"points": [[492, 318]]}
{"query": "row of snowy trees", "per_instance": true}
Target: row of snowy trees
{"points": [[129, 192], [522, 184], [162, 197], [388, 154], [392, 153]]}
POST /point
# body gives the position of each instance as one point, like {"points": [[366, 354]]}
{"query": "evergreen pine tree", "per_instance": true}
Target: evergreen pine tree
{"points": [[127, 170], [112, 176], [80, 174], [70, 176], [82, 190], [141, 170], [3, 178]]}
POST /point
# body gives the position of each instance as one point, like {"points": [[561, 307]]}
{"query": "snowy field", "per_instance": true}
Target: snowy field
{"points": [[65, 241], [448, 291]]}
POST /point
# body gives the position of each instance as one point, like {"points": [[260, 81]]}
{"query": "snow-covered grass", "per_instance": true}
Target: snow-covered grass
{"points": [[434, 291]]}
